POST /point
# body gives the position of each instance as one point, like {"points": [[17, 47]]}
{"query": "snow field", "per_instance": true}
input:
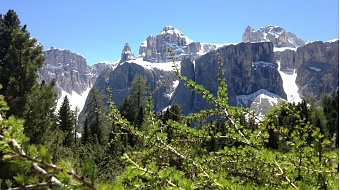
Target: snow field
{"points": [[75, 99]]}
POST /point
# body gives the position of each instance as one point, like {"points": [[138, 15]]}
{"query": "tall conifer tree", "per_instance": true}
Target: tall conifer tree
{"points": [[20, 57], [66, 121], [98, 125], [39, 113]]}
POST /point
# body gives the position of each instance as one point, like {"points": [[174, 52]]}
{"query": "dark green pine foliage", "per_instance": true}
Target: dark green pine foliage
{"points": [[127, 110], [133, 107], [317, 117], [138, 93], [330, 105], [39, 112], [86, 137], [310, 111], [66, 122], [20, 57], [174, 114], [140, 117], [284, 118], [98, 124], [136, 100]]}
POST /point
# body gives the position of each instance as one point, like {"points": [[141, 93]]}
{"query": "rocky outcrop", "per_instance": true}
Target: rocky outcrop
{"points": [[127, 54], [317, 68], [263, 102], [248, 67], [275, 34], [70, 71], [287, 59], [184, 96], [120, 80], [155, 49]]}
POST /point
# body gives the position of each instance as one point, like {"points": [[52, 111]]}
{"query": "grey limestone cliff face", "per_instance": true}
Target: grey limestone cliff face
{"points": [[287, 59], [318, 68], [184, 96], [248, 67], [70, 71], [121, 77], [275, 34]]}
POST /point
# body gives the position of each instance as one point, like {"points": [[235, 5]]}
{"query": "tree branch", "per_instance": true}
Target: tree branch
{"points": [[32, 186], [286, 177], [21, 154]]}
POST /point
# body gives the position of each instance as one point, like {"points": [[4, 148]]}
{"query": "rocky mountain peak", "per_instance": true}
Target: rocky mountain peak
{"points": [[127, 54], [275, 34], [70, 71], [155, 48], [167, 28], [249, 29]]}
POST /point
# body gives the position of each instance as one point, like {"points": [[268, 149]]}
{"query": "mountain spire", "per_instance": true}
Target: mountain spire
{"points": [[127, 54]]}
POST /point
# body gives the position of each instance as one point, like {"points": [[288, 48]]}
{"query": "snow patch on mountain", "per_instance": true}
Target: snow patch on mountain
{"points": [[174, 86], [246, 100], [167, 66], [315, 69], [288, 78], [280, 49], [263, 64], [262, 103], [75, 99], [334, 40], [109, 62]]}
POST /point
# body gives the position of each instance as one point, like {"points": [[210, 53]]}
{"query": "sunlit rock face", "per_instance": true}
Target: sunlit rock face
{"points": [[275, 34]]}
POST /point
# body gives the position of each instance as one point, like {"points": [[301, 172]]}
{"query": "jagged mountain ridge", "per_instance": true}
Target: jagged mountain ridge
{"points": [[190, 53], [155, 49], [275, 34], [251, 70]]}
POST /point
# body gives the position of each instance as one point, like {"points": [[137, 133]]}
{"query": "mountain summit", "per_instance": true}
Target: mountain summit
{"points": [[275, 34], [155, 49]]}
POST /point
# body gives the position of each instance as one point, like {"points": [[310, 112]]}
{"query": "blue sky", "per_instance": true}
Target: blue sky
{"points": [[99, 29]]}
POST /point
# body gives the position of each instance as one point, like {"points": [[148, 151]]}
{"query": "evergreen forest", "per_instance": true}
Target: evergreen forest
{"points": [[130, 146]]}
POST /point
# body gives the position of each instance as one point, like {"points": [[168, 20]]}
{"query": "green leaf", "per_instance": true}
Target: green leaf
{"points": [[20, 179], [44, 155]]}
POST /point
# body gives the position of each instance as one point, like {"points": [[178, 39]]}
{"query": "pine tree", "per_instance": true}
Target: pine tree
{"points": [[86, 136], [140, 117], [330, 106], [127, 110], [98, 125], [76, 124], [137, 93], [66, 122], [133, 105], [173, 113], [20, 57], [39, 112]]}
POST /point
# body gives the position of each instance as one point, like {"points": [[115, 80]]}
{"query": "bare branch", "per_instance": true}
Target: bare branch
{"points": [[32, 186], [286, 177]]}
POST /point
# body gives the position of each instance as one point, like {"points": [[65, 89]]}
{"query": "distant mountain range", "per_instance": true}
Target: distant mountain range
{"points": [[254, 69]]}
